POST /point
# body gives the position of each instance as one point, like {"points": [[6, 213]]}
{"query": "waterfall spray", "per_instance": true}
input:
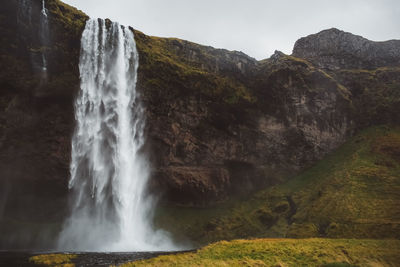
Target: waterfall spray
{"points": [[110, 210]]}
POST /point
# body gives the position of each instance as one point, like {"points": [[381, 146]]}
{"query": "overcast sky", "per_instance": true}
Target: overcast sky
{"points": [[255, 27]]}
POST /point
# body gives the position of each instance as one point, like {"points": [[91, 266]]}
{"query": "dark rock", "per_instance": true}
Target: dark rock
{"points": [[335, 49]]}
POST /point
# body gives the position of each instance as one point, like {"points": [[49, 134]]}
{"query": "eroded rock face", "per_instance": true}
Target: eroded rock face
{"points": [[334, 49], [296, 114]]}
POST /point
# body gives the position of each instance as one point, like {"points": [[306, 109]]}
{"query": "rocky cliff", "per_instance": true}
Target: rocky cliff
{"points": [[219, 123], [222, 123], [335, 49], [36, 114]]}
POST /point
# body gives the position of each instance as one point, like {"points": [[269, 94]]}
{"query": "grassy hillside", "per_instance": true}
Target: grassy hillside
{"points": [[181, 67], [286, 252], [352, 193]]}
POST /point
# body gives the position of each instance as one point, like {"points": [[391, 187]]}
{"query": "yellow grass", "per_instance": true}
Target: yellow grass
{"points": [[59, 260], [286, 252]]}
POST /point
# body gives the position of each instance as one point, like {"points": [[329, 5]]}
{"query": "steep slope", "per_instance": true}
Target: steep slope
{"points": [[375, 94], [370, 70], [354, 192]]}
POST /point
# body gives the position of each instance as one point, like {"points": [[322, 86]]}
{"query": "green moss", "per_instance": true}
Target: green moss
{"points": [[376, 94], [174, 64], [370, 72], [282, 206], [265, 216], [286, 252], [299, 60], [72, 18], [302, 230], [353, 192]]}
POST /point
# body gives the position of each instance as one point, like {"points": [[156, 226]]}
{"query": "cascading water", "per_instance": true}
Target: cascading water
{"points": [[110, 211], [26, 18], [44, 10], [44, 36]]}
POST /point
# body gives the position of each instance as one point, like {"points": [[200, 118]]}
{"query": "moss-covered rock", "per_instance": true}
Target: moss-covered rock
{"points": [[350, 193]]}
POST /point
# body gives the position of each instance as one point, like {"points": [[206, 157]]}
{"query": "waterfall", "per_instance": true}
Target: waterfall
{"points": [[44, 10], [44, 36], [110, 211], [26, 18]]}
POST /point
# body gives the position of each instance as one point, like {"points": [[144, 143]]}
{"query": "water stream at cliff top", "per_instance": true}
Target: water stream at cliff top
{"points": [[110, 209], [26, 18], [44, 36]]}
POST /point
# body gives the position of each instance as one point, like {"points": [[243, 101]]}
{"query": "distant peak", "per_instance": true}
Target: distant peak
{"points": [[277, 54], [333, 30], [334, 49]]}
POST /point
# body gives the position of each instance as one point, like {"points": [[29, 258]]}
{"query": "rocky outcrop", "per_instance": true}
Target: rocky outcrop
{"points": [[335, 49]]}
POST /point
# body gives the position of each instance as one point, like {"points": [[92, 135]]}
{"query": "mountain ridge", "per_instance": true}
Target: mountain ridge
{"points": [[335, 49]]}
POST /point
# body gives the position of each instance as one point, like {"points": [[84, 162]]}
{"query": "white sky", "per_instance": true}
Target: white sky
{"points": [[255, 27]]}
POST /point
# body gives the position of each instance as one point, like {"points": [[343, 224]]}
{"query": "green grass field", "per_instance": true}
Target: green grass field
{"points": [[286, 252]]}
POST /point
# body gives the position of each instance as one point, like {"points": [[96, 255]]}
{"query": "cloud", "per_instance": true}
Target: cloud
{"points": [[256, 27]]}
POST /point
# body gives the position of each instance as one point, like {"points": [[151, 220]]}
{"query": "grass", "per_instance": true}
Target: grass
{"points": [[70, 17], [59, 260], [286, 252], [351, 193], [370, 72], [192, 67], [376, 94]]}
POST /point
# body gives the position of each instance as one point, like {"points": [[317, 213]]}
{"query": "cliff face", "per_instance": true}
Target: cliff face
{"points": [[36, 112], [335, 49], [219, 123]]}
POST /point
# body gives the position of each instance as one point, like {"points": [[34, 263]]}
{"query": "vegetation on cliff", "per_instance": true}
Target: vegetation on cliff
{"points": [[353, 192], [173, 64], [375, 94], [72, 18]]}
